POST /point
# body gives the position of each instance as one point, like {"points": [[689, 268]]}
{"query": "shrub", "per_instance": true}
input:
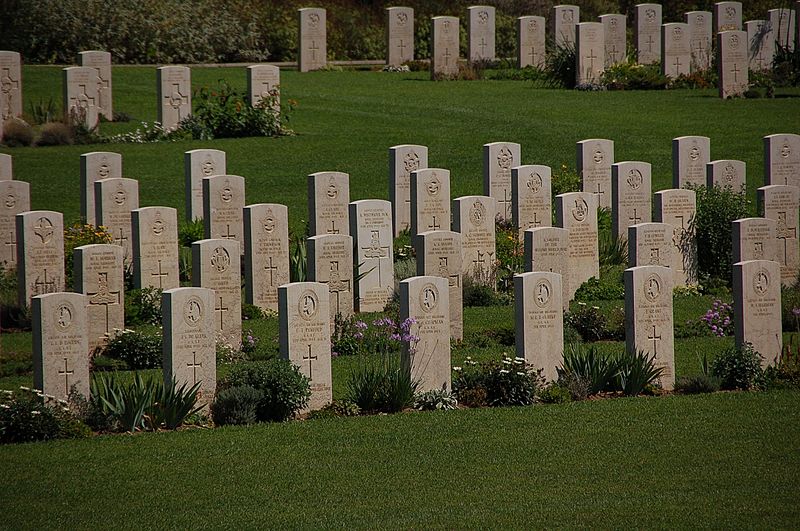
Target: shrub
{"points": [[143, 306], [595, 325], [478, 293], [636, 371], [78, 234], [579, 387], [698, 383], [510, 253], [251, 311], [609, 287], [507, 382], [28, 415], [560, 66], [146, 133], [381, 382], [785, 374], [633, 76], [737, 368], [255, 348], [554, 393], [44, 112], [337, 408], [190, 232], [435, 400], [588, 364], [236, 405], [17, 133], [564, 180], [139, 350], [285, 390], [56, 134]]}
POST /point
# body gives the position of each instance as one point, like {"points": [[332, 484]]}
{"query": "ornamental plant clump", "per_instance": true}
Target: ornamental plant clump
{"points": [[504, 382], [30, 415], [284, 389], [738, 368], [719, 319]]}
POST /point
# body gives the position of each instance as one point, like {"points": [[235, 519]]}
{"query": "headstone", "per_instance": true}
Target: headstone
{"points": [[563, 19], [40, 254], [10, 85], [474, 218], [60, 344], [675, 49], [782, 159], [590, 52], [577, 212], [403, 160], [16, 199], [539, 321], [650, 244], [784, 21], [727, 174], [439, 255], [6, 167], [328, 197], [330, 262], [647, 33], [754, 239], [371, 227], [760, 45], [189, 348], [426, 300], [531, 203], [727, 16], [263, 82], [616, 42], [498, 159], [595, 157], [197, 165], [700, 39], [399, 35], [101, 61], [481, 33], [757, 307], [81, 101], [174, 88], [216, 265], [648, 317], [781, 202], [155, 247], [430, 200], [531, 42], [99, 274], [444, 46], [223, 205], [313, 39], [631, 198], [732, 63], [95, 166], [547, 250], [113, 201], [305, 336], [690, 154], [678, 209], [266, 237]]}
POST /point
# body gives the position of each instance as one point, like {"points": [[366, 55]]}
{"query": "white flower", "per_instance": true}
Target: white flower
{"points": [[456, 369], [63, 402], [503, 371], [507, 361], [50, 397], [595, 307], [35, 412], [5, 406], [469, 357], [520, 373], [581, 304], [25, 388]]}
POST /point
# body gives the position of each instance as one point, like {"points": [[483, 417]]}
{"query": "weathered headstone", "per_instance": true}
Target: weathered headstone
{"points": [[563, 19], [313, 39], [481, 28], [263, 82], [40, 254], [781, 202], [101, 61], [757, 307], [399, 35], [81, 101], [189, 348], [531, 42], [330, 262], [783, 21], [727, 174], [614, 33], [589, 52], [216, 264], [690, 154], [539, 321], [648, 317], [700, 39], [10, 85], [531, 203], [95, 166], [197, 165], [439, 255], [371, 227], [760, 44], [6, 167], [676, 53], [782, 159], [631, 199], [444, 46], [113, 201], [403, 160], [650, 244], [430, 200], [474, 218], [647, 30], [577, 212], [426, 300], [266, 237], [16, 199], [754, 239], [678, 209], [223, 205], [155, 247], [99, 274], [547, 249], [498, 159], [174, 89], [328, 197], [595, 157], [727, 16], [60, 344], [732, 63], [305, 336]]}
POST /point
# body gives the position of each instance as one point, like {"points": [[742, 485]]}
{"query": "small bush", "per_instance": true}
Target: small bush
{"points": [[285, 390], [581, 363], [737, 368], [564, 180], [44, 112], [76, 235], [251, 311], [337, 408], [236, 405], [478, 293], [255, 348], [507, 382], [554, 393], [699, 383], [579, 387], [143, 306], [560, 66], [55, 134], [633, 76], [595, 325], [190, 232], [139, 350], [609, 287], [785, 374], [435, 400], [380, 382], [28, 415], [17, 133], [510, 253]]}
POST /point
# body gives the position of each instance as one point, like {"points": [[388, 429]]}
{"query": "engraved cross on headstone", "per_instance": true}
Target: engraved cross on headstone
{"points": [[221, 309], [402, 47], [446, 56], [785, 233], [44, 286], [335, 283], [104, 296], [635, 218], [434, 225], [677, 65], [599, 192], [121, 239], [483, 47], [444, 272], [654, 338], [8, 87], [591, 57], [176, 99], [66, 372], [612, 52], [333, 229], [506, 201], [13, 244], [228, 235], [310, 358], [649, 43], [271, 268], [194, 365], [376, 251], [735, 71], [478, 263], [536, 222], [314, 49], [160, 276]]}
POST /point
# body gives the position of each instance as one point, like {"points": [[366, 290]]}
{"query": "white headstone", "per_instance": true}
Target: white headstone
{"points": [[174, 84], [263, 82], [430, 200], [10, 85], [539, 321], [481, 28], [647, 29], [216, 264], [531, 199], [16, 199], [223, 206], [690, 154], [399, 35], [678, 209], [757, 308], [101, 61], [113, 201], [781, 202], [754, 239], [95, 166], [563, 19], [616, 42], [330, 262], [99, 274], [81, 101], [727, 16], [328, 197], [676, 53], [155, 247], [727, 174], [498, 159], [782, 159], [403, 159], [531, 42], [439, 255], [313, 39], [371, 227], [700, 39], [783, 22], [266, 237], [6, 167], [760, 45], [444, 46], [650, 244], [197, 165], [590, 52], [631, 198], [474, 218], [547, 249], [40, 254], [595, 157], [577, 212], [732, 63]]}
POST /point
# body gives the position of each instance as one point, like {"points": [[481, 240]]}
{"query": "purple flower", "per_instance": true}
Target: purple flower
{"points": [[713, 328], [361, 325], [796, 312], [358, 335], [395, 337]]}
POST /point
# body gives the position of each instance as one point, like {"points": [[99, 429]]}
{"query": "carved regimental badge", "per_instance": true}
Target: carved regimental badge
{"points": [[193, 311], [308, 305], [63, 315], [428, 298]]}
